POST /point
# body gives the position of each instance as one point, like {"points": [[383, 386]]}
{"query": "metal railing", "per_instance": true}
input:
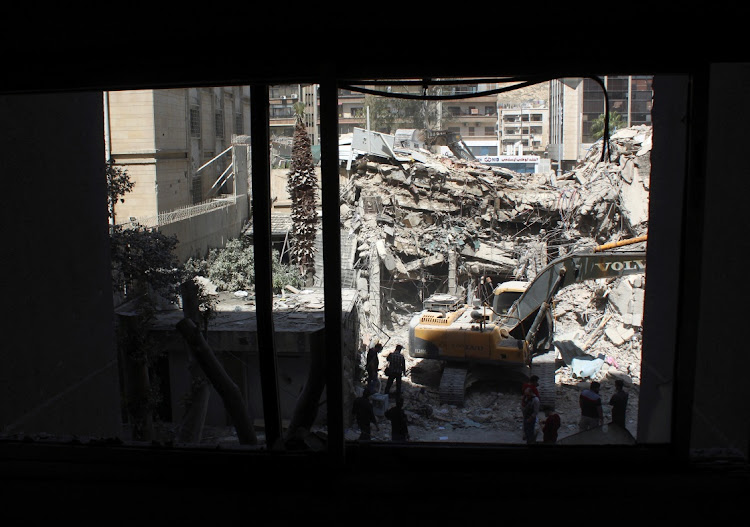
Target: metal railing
{"points": [[182, 213]]}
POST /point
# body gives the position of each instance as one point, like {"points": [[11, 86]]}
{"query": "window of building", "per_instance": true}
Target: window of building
{"points": [[195, 121], [282, 111], [219, 124], [239, 125]]}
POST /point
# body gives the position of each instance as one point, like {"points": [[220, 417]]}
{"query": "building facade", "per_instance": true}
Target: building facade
{"points": [[576, 104], [174, 144]]}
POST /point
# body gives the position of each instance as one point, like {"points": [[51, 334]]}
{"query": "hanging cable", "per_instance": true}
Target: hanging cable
{"points": [[521, 82]]}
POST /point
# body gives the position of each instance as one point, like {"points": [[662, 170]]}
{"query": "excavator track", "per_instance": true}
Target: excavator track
{"points": [[544, 367], [452, 385]]}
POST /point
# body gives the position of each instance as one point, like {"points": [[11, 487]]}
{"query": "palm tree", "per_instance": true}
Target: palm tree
{"points": [[302, 185], [616, 121]]}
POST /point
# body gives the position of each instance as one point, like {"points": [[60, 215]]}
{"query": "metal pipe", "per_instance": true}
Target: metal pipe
{"points": [[612, 245]]}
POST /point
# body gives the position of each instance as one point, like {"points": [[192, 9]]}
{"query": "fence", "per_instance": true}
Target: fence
{"points": [[185, 212]]}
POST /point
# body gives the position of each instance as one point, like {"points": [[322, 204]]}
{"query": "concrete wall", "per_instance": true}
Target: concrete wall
{"points": [[279, 192], [236, 346], [238, 353], [210, 230], [720, 411]]}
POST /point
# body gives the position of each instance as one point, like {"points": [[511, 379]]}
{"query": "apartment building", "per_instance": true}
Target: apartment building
{"points": [[186, 151], [525, 134], [576, 103], [163, 138], [475, 118], [281, 101]]}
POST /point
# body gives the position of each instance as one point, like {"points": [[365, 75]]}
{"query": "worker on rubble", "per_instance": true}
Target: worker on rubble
{"points": [[619, 404], [533, 384], [591, 407], [530, 414], [487, 291], [364, 415], [395, 370], [397, 417], [371, 367], [529, 391], [550, 426]]}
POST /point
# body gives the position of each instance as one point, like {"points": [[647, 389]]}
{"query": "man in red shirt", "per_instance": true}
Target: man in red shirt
{"points": [[550, 426]]}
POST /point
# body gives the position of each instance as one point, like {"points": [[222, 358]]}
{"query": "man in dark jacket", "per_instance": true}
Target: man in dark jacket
{"points": [[397, 417], [619, 403], [591, 407], [371, 366], [395, 370], [364, 414]]}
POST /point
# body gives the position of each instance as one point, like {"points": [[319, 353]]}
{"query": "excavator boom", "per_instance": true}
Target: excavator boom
{"points": [[576, 267]]}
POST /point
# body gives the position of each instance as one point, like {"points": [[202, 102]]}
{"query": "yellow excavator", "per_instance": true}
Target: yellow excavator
{"points": [[518, 328]]}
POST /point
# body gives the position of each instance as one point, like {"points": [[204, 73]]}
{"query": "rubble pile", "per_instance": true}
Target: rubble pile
{"points": [[438, 222], [416, 213]]}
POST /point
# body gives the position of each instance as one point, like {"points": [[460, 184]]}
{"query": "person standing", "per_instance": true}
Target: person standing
{"points": [[550, 426], [395, 370], [488, 291], [591, 407], [397, 417], [533, 384], [364, 414], [530, 412], [619, 404], [371, 367]]}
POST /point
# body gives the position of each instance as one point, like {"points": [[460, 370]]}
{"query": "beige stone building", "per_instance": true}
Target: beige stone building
{"points": [[163, 138], [186, 152]]}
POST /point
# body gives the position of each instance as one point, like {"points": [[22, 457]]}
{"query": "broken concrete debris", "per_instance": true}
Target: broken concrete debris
{"points": [[423, 223]]}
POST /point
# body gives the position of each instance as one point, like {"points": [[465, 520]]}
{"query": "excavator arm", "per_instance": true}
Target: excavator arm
{"points": [[570, 269]]}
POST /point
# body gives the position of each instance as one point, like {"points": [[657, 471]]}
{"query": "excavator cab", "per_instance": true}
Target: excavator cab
{"points": [[506, 294]]}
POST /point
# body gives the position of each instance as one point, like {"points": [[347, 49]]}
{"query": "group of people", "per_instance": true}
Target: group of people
{"points": [[530, 406], [362, 408], [591, 406], [589, 401]]}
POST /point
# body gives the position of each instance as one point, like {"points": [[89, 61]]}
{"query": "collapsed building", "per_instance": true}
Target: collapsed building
{"points": [[421, 223]]}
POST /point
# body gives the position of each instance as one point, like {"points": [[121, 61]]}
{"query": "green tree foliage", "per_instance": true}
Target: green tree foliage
{"points": [[229, 269], [144, 262], [389, 114], [232, 268], [118, 184], [616, 122], [144, 269]]}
